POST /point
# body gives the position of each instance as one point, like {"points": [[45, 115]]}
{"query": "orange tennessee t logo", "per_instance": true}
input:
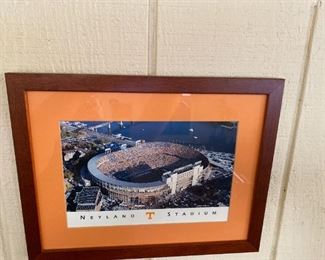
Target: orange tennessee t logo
{"points": [[150, 214]]}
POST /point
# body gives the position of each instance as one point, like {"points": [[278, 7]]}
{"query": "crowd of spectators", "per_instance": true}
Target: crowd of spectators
{"points": [[153, 154]]}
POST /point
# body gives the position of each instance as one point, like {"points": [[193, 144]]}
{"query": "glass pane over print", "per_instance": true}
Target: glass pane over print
{"points": [[147, 172]]}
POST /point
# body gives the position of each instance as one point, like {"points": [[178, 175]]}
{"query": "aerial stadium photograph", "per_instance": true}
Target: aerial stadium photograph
{"points": [[126, 166]]}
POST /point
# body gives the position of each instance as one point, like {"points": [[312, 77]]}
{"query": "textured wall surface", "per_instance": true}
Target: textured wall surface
{"points": [[275, 38]]}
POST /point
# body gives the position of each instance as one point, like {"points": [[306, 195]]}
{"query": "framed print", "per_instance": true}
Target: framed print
{"points": [[138, 166]]}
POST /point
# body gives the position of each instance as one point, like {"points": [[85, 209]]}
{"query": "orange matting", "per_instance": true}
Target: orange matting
{"points": [[46, 109]]}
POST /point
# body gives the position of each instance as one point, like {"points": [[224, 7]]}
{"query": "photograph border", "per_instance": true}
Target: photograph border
{"points": [[18, 84]]}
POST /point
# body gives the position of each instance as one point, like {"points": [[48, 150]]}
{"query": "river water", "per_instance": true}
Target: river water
{"points": [[213, 136]]}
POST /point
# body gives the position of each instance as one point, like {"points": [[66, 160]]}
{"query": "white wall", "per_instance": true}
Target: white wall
{"points": [[274, 38]]}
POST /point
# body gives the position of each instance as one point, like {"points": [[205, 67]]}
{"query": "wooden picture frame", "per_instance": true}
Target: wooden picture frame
{"points": [[20, 84]]}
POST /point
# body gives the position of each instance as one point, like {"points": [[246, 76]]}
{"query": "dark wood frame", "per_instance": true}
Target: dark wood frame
{"points": [[19, 83]]}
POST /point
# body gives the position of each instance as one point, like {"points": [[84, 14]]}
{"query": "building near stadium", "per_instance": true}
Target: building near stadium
{"points": [[88, 199], [148, 171]]}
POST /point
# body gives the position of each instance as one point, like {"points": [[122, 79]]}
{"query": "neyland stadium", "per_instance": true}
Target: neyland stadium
{"points": [[148, 171]]}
